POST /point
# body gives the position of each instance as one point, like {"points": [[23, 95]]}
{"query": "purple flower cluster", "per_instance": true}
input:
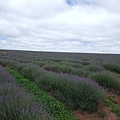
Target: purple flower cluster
{"points": [[16, 103], [5, 76]]}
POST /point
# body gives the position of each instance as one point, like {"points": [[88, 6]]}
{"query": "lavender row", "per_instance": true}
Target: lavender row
{"points": [[5, 76], [16, 103], [76, 92]]}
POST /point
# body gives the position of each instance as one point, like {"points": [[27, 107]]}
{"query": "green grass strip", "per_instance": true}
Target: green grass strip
{"points": [[59, 111]]}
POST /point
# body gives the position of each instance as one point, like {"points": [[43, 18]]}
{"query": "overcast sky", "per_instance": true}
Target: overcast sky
{"points": [[84, 26]]}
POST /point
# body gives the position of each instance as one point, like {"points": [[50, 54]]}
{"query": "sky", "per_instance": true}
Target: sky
{"points": [[82, 26]]}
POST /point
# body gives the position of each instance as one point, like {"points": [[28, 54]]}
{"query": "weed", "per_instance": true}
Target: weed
{"points": [[102, 114]]}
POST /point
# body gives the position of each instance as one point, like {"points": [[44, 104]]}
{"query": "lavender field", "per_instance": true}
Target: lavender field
{"points": [[59, 86]]}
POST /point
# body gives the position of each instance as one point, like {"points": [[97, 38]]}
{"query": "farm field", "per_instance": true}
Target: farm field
{"points": [[59, 86]]}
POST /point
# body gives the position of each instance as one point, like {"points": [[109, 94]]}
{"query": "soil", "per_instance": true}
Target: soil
{"points": [[115, 94], [103, 113]]}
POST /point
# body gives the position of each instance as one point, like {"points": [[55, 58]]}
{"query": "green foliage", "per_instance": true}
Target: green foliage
{"points": [[56, 108], [112, 67], [116, 109], [110, 100], [106, 80]]}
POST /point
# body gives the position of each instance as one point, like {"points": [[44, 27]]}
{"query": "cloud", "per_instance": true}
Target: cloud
{"points": [[110, 5], [67, 26]]}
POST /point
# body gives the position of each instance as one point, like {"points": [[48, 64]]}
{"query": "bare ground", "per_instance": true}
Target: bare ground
{"points": [[103, 113]]}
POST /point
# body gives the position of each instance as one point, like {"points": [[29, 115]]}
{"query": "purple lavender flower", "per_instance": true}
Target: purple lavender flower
{"points": [[16, 103]]}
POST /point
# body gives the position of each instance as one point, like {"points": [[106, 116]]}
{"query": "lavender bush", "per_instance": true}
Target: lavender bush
{"points": [[74, 91], [5, 76], [107, 80], [30, 71], [16, 103], [55, 107], [112, 67]]}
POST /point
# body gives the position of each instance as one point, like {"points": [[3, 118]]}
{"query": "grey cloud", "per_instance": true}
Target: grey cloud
{"points": [[56, 26], [110, 5]]}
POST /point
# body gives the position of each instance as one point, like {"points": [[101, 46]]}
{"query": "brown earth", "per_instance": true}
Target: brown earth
{"points": [[103, 113]]}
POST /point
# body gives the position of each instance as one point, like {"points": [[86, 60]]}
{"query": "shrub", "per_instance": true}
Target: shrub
{"points": [[93, 68], [57, 109], [54, 67], [85, 63], [81, 72], [112, 67], [66, 69], [5, 76], [30, 71], [16, 103], [74, 91], [106, 80], [75, 65], [6, 62], [40, 63], [59, 68]]}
